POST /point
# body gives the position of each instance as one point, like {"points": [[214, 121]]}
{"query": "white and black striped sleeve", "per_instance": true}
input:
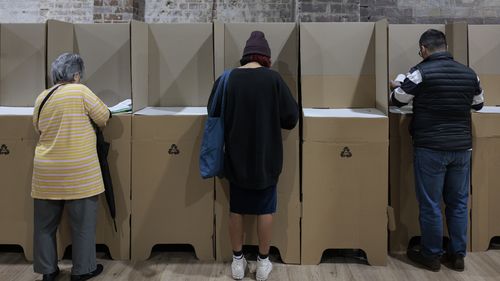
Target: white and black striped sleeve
{"points": [[478, 100], [404, 94]]}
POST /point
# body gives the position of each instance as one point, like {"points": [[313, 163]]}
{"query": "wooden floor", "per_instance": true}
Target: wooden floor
{"points": [[178, 266]]}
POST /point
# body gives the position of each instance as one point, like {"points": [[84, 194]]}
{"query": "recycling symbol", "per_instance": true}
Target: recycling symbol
{"points": [[174, 150], [346, 153], [4, 150]]}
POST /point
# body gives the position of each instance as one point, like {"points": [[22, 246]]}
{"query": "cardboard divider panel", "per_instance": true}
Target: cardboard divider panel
{"points": [[180, 64], [22, 79], [106, 52], [22, 63], [341, 207], [171, 203], [283, 41], [172, 77], [486, 136], [17, 149], [345, 131], [338, 65], [482, 58]]}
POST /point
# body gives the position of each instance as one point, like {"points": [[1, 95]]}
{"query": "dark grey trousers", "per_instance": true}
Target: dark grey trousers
{"points": [[82, 217]]}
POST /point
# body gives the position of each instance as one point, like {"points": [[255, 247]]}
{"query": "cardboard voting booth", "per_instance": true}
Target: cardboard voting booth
{"points": [[345, 139], [172, 76], [105, 50], [484, 51], [403, 54], [283, 41], [22, 79]]}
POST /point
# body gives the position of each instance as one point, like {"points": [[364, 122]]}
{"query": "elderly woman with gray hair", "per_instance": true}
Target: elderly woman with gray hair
{"points": [[66, 171]]}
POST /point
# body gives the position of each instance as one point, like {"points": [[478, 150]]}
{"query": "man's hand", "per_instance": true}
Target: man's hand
{"points": [[394, 84]]}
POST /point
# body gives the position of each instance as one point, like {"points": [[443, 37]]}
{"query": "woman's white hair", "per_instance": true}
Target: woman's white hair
{"points": [[65, 67]]}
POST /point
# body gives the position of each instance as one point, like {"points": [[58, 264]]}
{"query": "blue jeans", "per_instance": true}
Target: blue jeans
{"points": [[442, 175]]}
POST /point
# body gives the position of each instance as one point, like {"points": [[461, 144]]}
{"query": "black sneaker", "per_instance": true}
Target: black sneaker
{"points": [[454, 261], [430, 263], [87, 276], [52, 276]]}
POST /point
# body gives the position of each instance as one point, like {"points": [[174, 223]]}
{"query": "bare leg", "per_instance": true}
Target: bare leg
{"points": [[264, 230], [236, 231]]}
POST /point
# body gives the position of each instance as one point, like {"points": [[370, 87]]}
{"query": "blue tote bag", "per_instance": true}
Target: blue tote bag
{"points": [[212, 144]]}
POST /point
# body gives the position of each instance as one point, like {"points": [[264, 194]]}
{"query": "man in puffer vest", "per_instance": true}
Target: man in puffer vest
{"points": [[443, 93]]}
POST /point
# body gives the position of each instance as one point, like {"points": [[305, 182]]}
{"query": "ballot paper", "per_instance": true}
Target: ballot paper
{"points": [[181, 111], [408, 109], [18, 111], [124, 106], [489, 109], [344, 112]]}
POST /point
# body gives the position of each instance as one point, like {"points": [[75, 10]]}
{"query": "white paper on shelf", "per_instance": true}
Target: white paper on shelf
{"points": [[490, 109], [123, 106], [401, 110], [344, 112], [178, 111], [18, 111]]}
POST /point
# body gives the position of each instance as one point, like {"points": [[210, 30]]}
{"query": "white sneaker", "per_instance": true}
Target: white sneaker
{"points": [[264, 268], [238, 268]]}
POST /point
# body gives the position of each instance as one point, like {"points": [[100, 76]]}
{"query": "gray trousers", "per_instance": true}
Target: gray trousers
{"points": [[82, 217]]}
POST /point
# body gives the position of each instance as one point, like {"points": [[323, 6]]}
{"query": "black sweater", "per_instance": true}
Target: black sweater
{"points": [[258, 105]]}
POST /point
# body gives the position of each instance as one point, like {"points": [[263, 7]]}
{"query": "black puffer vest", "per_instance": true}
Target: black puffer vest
{"points": [[442, 104]]}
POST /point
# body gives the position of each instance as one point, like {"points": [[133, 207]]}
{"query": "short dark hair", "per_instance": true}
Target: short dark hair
{"points": [[260, 59], [433, 40]]}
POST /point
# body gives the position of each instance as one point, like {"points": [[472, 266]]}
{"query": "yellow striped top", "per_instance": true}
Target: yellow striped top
{"points": [[66, 166]]}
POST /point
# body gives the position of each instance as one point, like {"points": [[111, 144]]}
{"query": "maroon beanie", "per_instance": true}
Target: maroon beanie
{"points": [[257, 45]]}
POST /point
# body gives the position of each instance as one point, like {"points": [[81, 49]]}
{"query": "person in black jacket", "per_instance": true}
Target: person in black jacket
{"points": [[443, 92], [258, 105]]}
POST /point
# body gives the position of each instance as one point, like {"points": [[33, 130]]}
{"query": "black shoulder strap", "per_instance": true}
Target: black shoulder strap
{"points": [[45, 101]]}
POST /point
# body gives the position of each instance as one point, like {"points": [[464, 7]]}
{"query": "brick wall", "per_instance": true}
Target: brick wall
{"points": [[178, 11], [396, 11], [109, 11], [259, 11]]}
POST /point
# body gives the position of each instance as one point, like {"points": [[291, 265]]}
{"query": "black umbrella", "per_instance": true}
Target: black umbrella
{"points": [[102, 153]]}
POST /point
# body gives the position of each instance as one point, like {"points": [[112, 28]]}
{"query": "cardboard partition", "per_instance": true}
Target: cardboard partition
{"points": [[482, 58], [178, 59], [283, 41], [22, 63], [402, 181], [486, 136], [171, 203], [118, 134], [457, 39], [22, 79], [105, 50], [343, 183], [17, 149], [344, 65], [172, 65], [344, 75], [485, 179]]}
